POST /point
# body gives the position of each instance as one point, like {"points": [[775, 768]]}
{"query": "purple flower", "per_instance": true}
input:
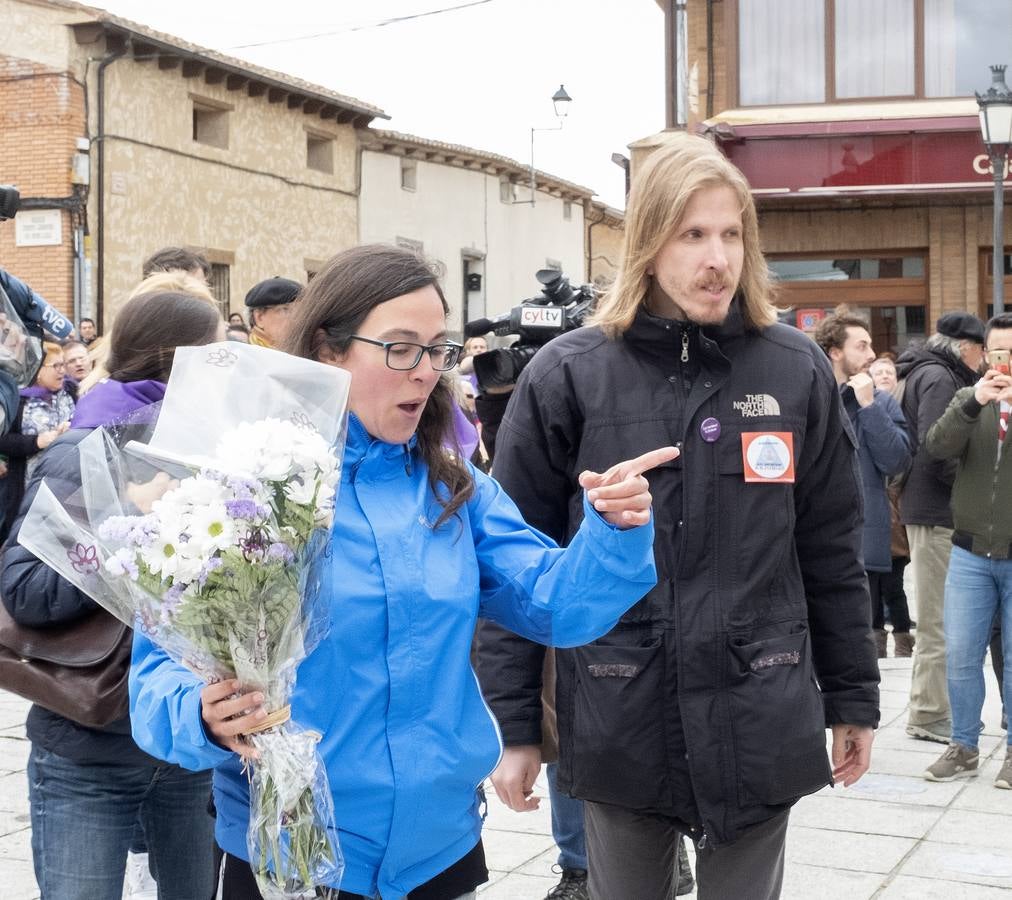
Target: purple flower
{"points": [[138, 531], [243, 509], [121, 564], [117, 528], [212, 565], [281, 552], [242, 488], [144, 531], [171, 601]]}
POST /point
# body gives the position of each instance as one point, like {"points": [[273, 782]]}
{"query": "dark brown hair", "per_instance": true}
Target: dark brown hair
{"points": [[330, 311], [148, 329], [170, 259], [832, 331], [1001, 322]]}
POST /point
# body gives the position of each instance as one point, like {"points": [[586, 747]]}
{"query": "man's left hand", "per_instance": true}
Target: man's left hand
{"points": [[851, 752]]}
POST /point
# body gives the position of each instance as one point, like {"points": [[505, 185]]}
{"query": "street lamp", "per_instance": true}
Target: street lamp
{"points": [[996, 129], [560, 102]]}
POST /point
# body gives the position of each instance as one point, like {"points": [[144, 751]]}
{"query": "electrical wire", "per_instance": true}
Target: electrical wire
{"points": [[391, 21]]}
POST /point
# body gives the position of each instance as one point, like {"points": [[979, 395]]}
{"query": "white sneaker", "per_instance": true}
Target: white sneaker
{"points": [[138, 884]]}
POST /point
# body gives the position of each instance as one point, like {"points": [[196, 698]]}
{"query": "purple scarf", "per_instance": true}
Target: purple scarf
{"points": [[114, 401], [465, 435], [37, 392]]}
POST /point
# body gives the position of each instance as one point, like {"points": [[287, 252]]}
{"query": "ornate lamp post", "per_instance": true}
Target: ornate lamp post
{"points": [[996, 129]]}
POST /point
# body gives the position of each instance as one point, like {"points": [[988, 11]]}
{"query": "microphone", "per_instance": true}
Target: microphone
{"points": [[478, 327]]}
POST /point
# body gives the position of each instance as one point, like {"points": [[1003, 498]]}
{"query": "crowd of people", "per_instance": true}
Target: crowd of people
{"points": [[705, 512]]}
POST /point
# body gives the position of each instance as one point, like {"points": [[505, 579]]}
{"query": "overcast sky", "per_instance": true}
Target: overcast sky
{"points": [[480, 75]]}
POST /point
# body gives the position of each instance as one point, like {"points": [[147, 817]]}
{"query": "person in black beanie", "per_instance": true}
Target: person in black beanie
{"points": [[269, 303], [948, 361]]}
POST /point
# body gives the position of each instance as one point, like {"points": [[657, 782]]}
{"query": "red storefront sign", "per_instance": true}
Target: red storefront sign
{"points": [[809, 319], [878, 157]]}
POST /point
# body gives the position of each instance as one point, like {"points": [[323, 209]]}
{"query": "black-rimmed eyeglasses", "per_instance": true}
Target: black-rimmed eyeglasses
{"points": [[405, 355]]}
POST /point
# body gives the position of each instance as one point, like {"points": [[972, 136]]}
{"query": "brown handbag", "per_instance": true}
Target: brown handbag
{"points": [[78, 670]]}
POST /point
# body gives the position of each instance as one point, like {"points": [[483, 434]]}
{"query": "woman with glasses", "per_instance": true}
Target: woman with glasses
{"points": [[422, 545], [44, 413]]}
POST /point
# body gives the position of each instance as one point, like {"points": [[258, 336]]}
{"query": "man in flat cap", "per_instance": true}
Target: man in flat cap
{"points": [[270, 303], [948, 361]]}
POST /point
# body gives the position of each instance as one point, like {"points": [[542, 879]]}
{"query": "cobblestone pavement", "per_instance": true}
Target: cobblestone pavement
{"points": [[891, 836]]}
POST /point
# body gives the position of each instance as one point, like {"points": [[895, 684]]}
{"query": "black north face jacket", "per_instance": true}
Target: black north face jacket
{"points": [[708, 702]]}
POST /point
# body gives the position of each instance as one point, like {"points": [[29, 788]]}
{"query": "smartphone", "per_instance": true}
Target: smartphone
{"points": [[998, 359]]}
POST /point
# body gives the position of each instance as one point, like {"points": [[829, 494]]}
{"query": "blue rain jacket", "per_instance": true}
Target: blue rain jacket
{"points": [[407, 738]]}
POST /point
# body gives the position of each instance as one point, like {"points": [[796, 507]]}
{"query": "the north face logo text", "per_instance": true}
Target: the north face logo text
{"points": [[757, 405]]}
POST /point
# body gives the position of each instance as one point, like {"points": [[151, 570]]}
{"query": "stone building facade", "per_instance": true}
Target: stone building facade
{"points": [[132, 140]]}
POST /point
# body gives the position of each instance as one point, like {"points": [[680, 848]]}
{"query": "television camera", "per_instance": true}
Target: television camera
{"points": [[557, 309]]}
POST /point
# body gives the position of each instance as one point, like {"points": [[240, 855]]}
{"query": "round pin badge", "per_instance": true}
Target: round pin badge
{"points": [[709, 430]]}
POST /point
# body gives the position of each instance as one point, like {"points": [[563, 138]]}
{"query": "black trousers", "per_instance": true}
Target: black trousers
{"points": [[886, 589], [462, 877]]}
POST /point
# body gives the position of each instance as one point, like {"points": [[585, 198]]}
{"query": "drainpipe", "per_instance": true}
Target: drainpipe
{"points": [[710, 62], [100, 138]]}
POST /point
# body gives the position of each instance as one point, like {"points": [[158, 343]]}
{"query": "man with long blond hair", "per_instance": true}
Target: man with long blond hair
{"points": [[704, 711]]}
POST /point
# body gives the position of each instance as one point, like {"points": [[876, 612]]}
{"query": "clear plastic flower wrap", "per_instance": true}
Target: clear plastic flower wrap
{"points": [[208, 538]]}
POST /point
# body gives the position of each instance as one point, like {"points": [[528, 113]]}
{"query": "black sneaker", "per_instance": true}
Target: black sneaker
{"points": [[572, 886], [685, 880]]}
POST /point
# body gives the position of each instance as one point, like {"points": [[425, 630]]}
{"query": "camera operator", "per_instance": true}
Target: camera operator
{"points": [[558, 309]]}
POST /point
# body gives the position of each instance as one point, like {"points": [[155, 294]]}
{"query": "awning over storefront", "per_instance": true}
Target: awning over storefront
{"points": [[858, 157]]}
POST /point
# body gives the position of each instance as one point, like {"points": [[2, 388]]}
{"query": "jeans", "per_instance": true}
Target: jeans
{"points": [[83, 821], [975, 589], [567, 824]]}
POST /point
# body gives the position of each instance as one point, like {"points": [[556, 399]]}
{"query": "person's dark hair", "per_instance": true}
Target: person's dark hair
{"points": [[832, 331], [169, 259], [330, 311], [148, 329], [1001, 322], [236, 326], [85, 319]]}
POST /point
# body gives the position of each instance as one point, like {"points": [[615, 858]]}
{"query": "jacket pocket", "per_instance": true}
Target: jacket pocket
{"points": [[777, 716], [618, 745]]}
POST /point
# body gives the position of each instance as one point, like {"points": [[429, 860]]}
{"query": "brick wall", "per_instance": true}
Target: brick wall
{"points": [[41, 116]]}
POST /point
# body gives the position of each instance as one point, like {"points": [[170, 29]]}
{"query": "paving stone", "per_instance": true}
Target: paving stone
{"points": [[835, 812], [846, 850], [966, 863], [900, 789], [974, 828], [518, 887], [908, 887], [803, 882]]}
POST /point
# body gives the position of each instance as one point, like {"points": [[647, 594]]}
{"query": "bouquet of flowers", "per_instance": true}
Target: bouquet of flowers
{"points": [[214, 557]]}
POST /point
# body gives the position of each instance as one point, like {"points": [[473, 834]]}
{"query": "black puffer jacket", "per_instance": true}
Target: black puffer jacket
{"points": [[35, 595], [932, 379], [704, 702]]}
